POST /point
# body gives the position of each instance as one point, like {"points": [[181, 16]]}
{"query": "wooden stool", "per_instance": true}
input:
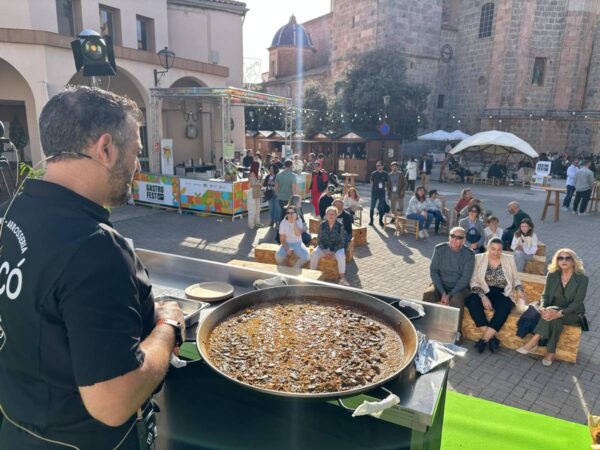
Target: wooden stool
{"points": [[328, 266], [556, 204], [541, 250], [314, 223], [404, 225], [349, 181], [350, 251], [265, 253], [595, 198], [533, 285], [359, 235]]}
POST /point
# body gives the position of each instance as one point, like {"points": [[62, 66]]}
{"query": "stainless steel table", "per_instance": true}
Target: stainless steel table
{"points": [[201, 409]]}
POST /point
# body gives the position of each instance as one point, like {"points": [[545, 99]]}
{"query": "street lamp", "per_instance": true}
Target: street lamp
{"points": [[166, 57]]}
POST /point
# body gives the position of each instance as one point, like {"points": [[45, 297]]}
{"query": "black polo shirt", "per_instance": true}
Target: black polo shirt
{"points": [[378, 182], [75, 303]]}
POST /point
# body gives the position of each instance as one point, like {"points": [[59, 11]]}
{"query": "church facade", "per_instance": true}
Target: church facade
{"points": [[531, 67]]}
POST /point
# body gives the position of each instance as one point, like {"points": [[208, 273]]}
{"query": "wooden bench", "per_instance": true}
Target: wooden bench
{"points": [[537, 266], [533, 285], [283, 270], [265, 253], [566, 350]]}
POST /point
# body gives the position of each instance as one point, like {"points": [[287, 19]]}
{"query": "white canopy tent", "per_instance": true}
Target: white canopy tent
{"points": [[444, 136], [495, 143]]}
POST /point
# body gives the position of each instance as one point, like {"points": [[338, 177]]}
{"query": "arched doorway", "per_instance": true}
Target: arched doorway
{"points": [[124, 83], [190, 124], [18, 113]]}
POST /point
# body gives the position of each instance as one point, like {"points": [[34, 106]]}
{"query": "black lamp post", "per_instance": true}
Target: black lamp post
{"points": [[166, 57]]}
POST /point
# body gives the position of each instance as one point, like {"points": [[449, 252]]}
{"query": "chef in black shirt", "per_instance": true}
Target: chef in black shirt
{"points": [[379, 179], [82, 344]]}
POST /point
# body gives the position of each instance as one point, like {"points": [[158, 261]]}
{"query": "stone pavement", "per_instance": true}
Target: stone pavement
{"points": [[400, 266]]}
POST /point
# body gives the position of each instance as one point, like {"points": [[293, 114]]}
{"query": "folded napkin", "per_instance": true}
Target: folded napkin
{"points": [[375, 409]]}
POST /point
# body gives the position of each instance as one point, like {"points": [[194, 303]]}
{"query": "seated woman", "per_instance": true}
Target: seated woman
{"points": [[494, 282], [465, 211], [345, 218], [492, 230], [352, 201], [474, 228], [434, 206], [417, 210], [326, 200], [524, 244], [465, 197], [561, 302], [331, 244], [290, 236]]}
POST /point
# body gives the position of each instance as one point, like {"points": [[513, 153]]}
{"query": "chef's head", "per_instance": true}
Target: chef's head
{"points": [[92, 136]]}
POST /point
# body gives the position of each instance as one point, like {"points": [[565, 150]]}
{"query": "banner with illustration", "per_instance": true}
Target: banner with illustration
{"points": [[156, 189], [166, 157], [212, 196]]}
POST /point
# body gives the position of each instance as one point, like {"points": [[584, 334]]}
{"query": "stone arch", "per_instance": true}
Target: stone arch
{"points": [[188, 82], [123, 83], [17, 101]]}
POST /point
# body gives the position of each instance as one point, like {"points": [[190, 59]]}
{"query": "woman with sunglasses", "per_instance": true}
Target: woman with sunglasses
{"points": [[494, 284], [290, 237], [524, 244], [561, 302], [475, 229]]}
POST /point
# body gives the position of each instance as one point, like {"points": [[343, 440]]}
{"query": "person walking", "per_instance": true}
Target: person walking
{"points": [[379, 179], [425, 166], [285, 185], [584, 183], [271, 195], [318, 185], [570, 184], [411, 174], [253, 195]]}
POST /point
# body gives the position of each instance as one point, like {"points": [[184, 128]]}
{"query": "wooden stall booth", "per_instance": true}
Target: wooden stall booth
{"points": [[358, 152]]}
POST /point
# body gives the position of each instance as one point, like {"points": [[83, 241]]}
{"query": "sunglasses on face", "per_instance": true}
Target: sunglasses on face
{"points": [[458, 237], [564, 258]]}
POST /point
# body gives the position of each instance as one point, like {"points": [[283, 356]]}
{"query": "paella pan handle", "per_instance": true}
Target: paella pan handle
{"points": [[347, 408]]}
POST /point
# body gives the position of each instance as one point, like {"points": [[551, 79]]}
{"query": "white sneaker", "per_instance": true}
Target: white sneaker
{"points": [[574, 213], [422, 234], [564, 208], [344, 282], [584, 214], [426, 233]]}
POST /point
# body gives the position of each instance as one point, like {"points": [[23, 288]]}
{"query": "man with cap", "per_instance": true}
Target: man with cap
{"points": [[396, 188]]}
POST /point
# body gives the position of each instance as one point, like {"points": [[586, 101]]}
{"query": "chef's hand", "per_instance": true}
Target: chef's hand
{"points": [[169, 310]]}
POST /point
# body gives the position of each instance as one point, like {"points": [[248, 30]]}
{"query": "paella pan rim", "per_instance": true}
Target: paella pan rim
{"points": [[384, 312]]}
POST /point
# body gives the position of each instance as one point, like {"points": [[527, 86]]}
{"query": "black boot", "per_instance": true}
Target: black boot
{"points": [[481, 345], [494, 344]]}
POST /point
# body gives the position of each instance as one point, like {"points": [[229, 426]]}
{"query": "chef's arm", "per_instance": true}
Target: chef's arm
{"points": [[114, 401]]}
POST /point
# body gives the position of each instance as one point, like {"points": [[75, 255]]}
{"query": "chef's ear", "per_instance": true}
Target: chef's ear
{"points": [[106, 152]]}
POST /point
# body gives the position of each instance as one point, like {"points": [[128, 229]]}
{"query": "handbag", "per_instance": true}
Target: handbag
{"points": [[584, 323]]}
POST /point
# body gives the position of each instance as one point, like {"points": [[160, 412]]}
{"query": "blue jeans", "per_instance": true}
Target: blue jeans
{"points": [[423, 223], [299, 249], [379, 199], [438, 217], [274, 211], [569, 196]]}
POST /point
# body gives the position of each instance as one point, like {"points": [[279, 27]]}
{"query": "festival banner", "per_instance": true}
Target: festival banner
{"points": [[156, 189]]}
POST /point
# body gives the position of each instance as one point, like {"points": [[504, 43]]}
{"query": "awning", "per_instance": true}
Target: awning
{"points": [[495, 143]]}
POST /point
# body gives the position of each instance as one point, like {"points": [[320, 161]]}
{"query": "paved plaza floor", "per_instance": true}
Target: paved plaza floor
{"points": [[400, 266]]}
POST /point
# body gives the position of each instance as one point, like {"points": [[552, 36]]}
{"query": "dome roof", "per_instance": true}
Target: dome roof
{"points": [[292, 35]]}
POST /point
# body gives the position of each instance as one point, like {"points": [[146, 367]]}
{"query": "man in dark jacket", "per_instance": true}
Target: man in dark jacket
{"points": [[518, 214], [379, 179]]}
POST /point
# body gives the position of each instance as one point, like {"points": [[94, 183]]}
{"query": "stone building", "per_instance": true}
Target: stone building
{"points": [[36, 60], [531, 67]]}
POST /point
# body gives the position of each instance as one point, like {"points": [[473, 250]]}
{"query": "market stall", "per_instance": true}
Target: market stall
{"points": [[190, 172], [201, 408]]}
